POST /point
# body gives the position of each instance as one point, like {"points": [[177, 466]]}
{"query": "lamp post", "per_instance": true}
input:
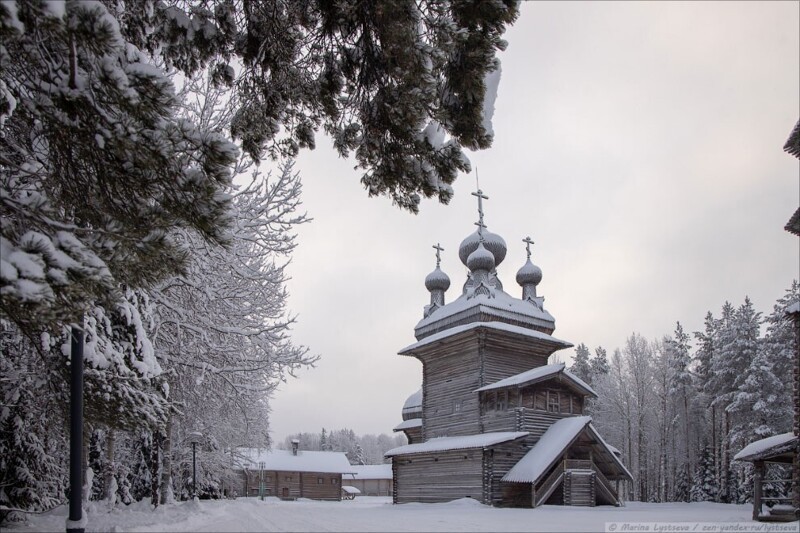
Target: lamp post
{"points": [[75, 522], [194, 438]]}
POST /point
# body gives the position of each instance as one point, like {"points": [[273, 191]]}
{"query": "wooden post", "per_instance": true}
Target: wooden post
{"points": [[758, 476]]}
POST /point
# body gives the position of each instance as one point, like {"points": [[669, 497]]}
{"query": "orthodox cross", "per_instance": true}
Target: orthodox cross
{"points": [[438, 249], [479, 194], [528, 242]]}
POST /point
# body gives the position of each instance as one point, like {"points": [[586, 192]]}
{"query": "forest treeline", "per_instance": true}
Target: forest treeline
{"points": [[360, 449], [680, 407]]}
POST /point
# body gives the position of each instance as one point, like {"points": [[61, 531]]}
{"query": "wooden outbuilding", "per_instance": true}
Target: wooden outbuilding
{"points": [[764, 454], [291, 474], [370, 480], [497, 423]]}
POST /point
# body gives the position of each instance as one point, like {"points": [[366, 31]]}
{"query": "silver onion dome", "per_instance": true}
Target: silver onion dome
{"points": [[529, 274], [437, 280], [491, 241], [481, 259]]}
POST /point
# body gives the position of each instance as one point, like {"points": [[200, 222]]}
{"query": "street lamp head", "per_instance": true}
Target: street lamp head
{"points": [[195, 437]]}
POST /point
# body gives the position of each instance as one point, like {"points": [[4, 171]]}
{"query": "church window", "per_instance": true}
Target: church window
{"points": [[456, 406], [553, 402], [502, 400]]}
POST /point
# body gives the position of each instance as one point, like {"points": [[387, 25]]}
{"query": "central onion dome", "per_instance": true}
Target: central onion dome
{"points": [[529, 274], [481, 259], [491, 241], [437, 280]]}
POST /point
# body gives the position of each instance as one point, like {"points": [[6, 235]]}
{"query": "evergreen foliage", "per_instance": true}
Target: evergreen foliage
{"points": [[581, 366]]}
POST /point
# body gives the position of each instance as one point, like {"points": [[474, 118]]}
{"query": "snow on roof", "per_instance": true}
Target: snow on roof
{"points": [[350, 490], [613, 452], [500, 326], [370, 472], [547, 450], [765, 446], [540, 374], [499, 301], [793, 308], [286, 461], [414, 401], [408, 424], [443, 444]]}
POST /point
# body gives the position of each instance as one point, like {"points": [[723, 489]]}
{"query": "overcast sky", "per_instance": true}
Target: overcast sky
{"points": [[638, 144]]}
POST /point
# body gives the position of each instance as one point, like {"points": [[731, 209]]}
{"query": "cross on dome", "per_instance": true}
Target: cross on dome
{"points": [[528, 242], [439, 249], [479, 194]]}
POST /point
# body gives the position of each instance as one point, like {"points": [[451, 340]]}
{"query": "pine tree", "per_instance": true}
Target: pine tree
{"points": [[386, 80], [704, 486], [581, 366], [323, 441], [599, 363], [96, 166], [680, 385]]}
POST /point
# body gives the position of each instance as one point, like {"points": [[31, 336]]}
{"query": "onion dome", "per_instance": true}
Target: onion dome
{"points": [[437, 280], [529, 274], [491, 241], [413, 406], [481, 259]]}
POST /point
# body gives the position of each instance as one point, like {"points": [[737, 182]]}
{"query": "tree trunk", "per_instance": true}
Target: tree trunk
{"points": [[110, 485], [688, 465], [725, 462], [154, 469], [715, 451], [167, 496]]}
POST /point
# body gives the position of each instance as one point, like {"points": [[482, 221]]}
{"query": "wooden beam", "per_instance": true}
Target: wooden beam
{"points": [[758, 476]]}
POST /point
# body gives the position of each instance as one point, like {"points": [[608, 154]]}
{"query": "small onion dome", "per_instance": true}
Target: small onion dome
{"points": [[481, 259], [529, 274], [437, 281], [491, 241]]}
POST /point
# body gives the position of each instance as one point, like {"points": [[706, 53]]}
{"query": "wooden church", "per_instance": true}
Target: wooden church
{"points": [[494, 421]]}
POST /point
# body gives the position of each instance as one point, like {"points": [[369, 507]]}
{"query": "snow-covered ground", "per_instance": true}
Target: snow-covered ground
{"points": [[378, 514]]}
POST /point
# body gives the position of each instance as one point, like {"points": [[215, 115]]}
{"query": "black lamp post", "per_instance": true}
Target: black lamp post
{"points": [[194, 438], [74, 522]]}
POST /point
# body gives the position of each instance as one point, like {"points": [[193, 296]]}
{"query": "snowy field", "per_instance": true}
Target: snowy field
{"points": [[378, 514]]}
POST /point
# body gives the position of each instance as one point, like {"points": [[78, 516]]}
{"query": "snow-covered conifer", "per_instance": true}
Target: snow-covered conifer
{"points": [[581, 365]]}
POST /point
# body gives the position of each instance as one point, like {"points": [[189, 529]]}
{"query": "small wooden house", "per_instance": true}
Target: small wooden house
{"points": [[291, 474], [765, 453], [370, 480], [497, 423]]}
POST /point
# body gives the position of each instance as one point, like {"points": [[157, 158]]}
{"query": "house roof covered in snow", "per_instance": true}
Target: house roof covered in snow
{"points": [[443, 444], [286, 461], [408, 424], [551, 447], [554, 343], [770, 448], [543, 373], [370, 472], [793, 308]]}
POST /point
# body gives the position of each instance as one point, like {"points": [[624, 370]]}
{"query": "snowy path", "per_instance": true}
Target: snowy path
{"points": [[378, 514]]}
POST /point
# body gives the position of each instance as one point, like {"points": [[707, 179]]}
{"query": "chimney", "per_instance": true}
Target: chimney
{"points": [[295, 445]]}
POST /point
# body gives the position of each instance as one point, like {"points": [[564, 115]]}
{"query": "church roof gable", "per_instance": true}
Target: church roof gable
{"points": [[543, 373], [443, 444], [552, 445]]}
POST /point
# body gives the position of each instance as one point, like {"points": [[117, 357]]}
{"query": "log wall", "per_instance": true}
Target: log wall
{"points": [[438, 477], [499, 460], [296, 484], [450, 403]]}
